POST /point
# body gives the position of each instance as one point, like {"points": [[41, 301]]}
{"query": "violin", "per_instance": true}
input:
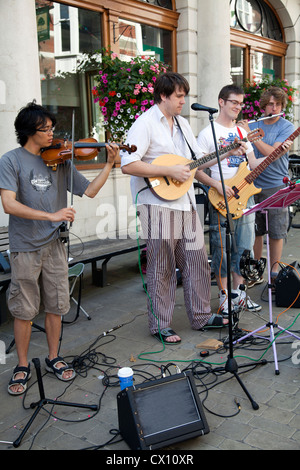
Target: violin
{"points": [[84, 149]]}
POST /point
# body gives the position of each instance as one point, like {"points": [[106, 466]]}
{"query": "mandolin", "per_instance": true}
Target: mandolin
{"points": [[242, 184], [169, 189]]}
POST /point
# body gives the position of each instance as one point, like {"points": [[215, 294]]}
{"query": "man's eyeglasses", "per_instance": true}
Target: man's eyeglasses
{"points": [[272, 104], [237, 103], [48, 130]]}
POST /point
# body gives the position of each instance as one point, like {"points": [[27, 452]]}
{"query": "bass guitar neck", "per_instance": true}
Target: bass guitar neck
{"points": [[242, 184]]}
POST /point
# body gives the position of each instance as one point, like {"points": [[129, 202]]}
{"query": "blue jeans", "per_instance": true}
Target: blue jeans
{"points": [[243, 234]]}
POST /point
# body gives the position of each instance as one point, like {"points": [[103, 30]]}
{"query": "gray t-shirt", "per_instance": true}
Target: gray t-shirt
{"points": [[39, 187]]}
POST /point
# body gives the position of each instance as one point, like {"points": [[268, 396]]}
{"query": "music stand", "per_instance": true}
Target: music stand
{"points": [[283, 198]]}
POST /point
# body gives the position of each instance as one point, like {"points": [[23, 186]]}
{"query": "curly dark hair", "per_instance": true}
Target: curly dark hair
{"points": [[29, 119]]}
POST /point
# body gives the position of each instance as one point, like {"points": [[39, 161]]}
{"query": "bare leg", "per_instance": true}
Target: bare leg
{"points": [[22, 333], [258, 247], [275, 253], [53, 330]]}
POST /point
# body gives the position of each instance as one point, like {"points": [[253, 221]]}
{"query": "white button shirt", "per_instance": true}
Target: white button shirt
{"points": [[152, 136]]}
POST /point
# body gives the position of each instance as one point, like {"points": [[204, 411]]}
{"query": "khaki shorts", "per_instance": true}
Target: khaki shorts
{"points": [[39, 277], [278, 219]]}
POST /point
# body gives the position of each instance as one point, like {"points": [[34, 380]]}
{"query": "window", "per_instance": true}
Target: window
{"points": [[255, 16], [72, 33], [68, 35], [140, 39], [257, 42], [160, 3]]}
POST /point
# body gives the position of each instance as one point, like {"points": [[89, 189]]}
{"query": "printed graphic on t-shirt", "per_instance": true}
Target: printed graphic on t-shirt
{"points": [[39, 182], [233, 161]]}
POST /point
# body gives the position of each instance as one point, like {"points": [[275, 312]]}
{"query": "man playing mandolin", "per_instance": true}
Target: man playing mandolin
{"points": [[35, 197], [230, 104], [172, 227]]}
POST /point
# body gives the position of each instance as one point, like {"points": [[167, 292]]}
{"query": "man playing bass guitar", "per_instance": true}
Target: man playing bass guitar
{"points": [[277, 130]]}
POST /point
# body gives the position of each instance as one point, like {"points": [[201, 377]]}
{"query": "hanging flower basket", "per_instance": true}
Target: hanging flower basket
{"points": [[253, 91], [124, 90]]}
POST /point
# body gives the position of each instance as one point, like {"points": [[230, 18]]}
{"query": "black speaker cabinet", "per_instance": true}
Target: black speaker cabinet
{"points": [[287, 286], [158, 413]]}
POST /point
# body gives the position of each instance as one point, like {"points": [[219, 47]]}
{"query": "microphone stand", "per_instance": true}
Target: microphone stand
{"points": [[231, 364]]}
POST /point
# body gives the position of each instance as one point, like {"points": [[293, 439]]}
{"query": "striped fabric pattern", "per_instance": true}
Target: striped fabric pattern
{"points": [[175, 239]]}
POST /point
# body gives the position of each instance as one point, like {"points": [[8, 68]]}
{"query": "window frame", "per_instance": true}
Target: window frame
{"points": [[250, 43], [132, 10]]}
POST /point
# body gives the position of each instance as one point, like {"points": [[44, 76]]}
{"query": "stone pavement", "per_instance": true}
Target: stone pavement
{"points": [[98, 354]]}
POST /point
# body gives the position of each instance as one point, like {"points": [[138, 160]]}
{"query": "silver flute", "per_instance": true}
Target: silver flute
{"points": [[266, 117]]}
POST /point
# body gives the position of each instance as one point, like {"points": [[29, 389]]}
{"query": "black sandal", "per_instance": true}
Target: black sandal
{"points": [[215, 321], [51, 367], [23, 382], [164, 334]]}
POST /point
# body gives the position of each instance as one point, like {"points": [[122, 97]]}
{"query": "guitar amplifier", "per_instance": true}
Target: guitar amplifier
{"points": [[162, 412], [287, 286]]}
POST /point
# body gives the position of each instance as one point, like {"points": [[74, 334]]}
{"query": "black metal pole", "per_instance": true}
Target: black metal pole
{"points": [[231, 364]]}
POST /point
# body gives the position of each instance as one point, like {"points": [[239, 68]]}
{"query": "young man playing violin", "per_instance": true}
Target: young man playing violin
{"points": [[35, 197]]}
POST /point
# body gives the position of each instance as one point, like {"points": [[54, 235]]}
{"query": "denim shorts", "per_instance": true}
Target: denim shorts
{"points": [[278, 219], [39, 277], [243, 235]]}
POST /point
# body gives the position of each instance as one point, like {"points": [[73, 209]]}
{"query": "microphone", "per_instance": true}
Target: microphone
{"points": [[200, 107]]}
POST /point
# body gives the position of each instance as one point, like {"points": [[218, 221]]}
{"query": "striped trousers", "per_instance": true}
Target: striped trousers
{"points": [[175, 239]]}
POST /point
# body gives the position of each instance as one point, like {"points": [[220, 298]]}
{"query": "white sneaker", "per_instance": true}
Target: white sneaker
{"points": [[223, 302], [240, 299]]}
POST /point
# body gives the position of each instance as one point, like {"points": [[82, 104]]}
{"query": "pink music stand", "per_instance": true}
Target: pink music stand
{"points": [[283, 198]]}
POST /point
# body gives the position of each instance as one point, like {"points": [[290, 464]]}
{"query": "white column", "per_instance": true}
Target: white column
{"points": [[213, 63], [19, 72]]}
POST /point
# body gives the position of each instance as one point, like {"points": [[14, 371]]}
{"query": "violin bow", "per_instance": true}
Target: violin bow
{"points": [[72, 173]]}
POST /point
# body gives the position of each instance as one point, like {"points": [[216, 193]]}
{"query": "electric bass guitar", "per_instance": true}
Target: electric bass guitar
{"points": [[169, 189], [242, 185]]}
